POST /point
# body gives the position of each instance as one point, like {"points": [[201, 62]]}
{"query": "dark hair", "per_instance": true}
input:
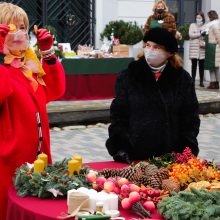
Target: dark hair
{"points": [[212, 15], [202, 15]]}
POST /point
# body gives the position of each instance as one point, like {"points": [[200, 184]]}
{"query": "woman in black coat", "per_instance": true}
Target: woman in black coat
{"points": [[155, 110]]}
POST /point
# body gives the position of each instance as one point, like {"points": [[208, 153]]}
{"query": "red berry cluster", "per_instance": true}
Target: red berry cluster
{"points": [[183, 157]]}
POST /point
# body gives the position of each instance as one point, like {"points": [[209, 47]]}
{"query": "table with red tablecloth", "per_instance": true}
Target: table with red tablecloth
{"points": [[91, 78], [32, 208]]}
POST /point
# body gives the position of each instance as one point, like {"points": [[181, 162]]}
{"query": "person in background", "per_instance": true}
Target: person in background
{"points": [[197, 47], [211, 32], [155, 110], [160, 18], [26, 86]]}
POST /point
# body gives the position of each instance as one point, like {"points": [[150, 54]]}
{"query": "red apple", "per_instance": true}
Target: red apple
{"points": [[100, 180], [122, 181], [134, 187], [117, 190], [109, 186], [149, 205], [96, 187], [125, 188], [91, 176], [134, 197], [125, 203]]}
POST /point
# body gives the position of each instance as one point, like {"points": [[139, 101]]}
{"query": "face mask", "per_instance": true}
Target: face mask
{"points": [[160, 10], [154, 58], [199, 21], [17, 40]]}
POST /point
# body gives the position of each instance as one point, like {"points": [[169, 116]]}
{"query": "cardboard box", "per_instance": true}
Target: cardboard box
{"points": [[121, 50]]}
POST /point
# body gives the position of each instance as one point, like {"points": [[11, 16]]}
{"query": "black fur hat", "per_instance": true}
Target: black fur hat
{"points": [[163, 37]]}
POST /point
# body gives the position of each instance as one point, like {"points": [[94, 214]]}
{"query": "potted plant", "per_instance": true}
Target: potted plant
{"points": [[128, 33]]}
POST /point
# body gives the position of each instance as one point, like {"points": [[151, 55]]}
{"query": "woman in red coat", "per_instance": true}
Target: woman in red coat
{"points": [[26, 87]]}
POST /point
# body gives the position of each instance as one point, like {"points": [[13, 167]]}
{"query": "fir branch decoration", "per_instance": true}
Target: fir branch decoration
{"points": [[53, 182], [193, 205]]}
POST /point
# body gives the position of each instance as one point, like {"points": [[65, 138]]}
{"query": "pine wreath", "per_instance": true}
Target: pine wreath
{"points": [[53, 182]]}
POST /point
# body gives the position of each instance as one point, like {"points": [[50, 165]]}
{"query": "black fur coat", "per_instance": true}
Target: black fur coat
{"points": [[150, 118]]}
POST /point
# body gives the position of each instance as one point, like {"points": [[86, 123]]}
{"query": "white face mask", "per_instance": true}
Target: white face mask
{"points": [[199, 21], [155, 58]]}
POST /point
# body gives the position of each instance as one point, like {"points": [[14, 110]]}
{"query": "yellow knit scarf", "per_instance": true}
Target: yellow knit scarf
{"points": [[28, 63]]}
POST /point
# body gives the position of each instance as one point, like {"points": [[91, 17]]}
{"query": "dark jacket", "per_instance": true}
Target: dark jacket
{"points": [[149, 117]]}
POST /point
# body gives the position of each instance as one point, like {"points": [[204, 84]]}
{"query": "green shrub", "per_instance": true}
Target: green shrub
{"points": [[184, 30], [127, 32]]}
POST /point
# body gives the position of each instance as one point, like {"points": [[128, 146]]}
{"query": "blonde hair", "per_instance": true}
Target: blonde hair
{"points": [[160, 2], [176, 61], [10, 13]]}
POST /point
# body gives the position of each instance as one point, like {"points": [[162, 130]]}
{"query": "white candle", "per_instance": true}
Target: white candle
{"points": [[113, 201]]}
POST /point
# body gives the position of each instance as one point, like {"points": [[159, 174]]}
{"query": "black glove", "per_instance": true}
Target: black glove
{"points": [[203, 33], [122, 156]]}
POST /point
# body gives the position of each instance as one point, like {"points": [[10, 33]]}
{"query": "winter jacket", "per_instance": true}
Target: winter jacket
{"points": [[168, 21], [19, 137], [214, 38], [150, 118], [195, 43]]}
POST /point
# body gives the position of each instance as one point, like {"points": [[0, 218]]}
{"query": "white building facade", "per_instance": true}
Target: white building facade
{"points": [[139, 10]]}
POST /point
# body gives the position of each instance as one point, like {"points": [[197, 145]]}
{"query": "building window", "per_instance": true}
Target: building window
{"points": [[184, 10]]}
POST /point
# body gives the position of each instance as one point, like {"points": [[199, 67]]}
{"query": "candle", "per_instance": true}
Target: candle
{"points": [[43, 157], [38, 166], [73, 166], [79, 158]]}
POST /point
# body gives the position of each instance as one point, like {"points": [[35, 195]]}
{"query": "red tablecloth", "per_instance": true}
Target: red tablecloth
{"points": [[89, 87], [32, 208]]}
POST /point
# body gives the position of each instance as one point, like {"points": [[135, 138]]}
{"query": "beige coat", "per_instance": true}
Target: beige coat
{"points": [[214, 37], [196, 40]]}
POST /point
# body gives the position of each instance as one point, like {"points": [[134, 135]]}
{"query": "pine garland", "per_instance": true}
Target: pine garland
{"points": [[53, 182]]}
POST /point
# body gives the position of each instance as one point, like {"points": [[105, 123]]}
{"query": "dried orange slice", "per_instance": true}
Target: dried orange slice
{"points": [[35, 29], [12, 28]]}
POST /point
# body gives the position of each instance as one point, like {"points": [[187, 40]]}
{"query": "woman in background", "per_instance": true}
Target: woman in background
{"points": [[197, 47], [211, 32]]}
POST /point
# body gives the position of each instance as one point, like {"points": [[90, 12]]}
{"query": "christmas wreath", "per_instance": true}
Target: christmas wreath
{"points": [[53, 182]]}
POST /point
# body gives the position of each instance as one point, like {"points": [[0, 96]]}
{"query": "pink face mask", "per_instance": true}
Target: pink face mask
{"points": [[16, 41]]}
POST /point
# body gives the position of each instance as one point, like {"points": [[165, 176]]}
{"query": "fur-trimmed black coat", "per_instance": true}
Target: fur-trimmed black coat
{"points": [[150, 118]]}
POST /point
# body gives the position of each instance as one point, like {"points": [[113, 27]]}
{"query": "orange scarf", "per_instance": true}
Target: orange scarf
{"points": [[28, 63]]}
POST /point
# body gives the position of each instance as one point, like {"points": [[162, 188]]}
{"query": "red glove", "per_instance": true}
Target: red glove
{"points": [[45, 39], [4, 29]]}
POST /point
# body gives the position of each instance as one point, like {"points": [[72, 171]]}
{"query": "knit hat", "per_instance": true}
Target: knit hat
{"points": [[163, 37]]}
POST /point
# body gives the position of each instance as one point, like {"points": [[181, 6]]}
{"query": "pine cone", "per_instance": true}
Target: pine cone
{"points": [[147, 169], [110, 172], [154, 182], [170, 185], [162, 174]]}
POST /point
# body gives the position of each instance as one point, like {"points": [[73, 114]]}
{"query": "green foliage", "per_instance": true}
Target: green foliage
{"points": [[193, 205], [55, 177], [127, 32], [184, 30], [52, 30]]}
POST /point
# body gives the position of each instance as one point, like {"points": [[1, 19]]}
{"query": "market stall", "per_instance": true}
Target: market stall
{"points": [[29, 208], [92, 78], [172, 186]]}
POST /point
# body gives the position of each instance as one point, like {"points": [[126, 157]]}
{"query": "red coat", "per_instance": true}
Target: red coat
{"points": [[19, 136]]}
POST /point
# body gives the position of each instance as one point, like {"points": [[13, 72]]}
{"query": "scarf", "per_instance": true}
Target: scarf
{"points": [[28, 63]]}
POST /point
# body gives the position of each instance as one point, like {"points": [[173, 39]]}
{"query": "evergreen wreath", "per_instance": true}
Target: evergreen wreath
{"points": [[53, 182]]}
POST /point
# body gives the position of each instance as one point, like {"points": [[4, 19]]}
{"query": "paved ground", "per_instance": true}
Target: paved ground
{"points": [[89, 141]]}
